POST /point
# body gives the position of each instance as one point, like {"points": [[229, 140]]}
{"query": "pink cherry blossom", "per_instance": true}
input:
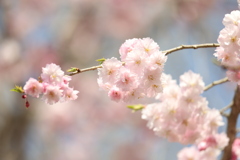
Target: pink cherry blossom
{"points": [[151, 77], [154, 89], [218, 141], [182, 115], [52, 74], [53, 86], [66, 79], [127, 47], [136, 61], [147, 45], [194, 154], [139, 75], [190, 153], [33, 88], [52, 94], [236, 148], [232, 18], [190, 80], [133, 95], [157, 60], [233, 76], [115, 94], [227, 56], [229, 37], [213, 121], [70, 94], [109, 71], [127, 80]]}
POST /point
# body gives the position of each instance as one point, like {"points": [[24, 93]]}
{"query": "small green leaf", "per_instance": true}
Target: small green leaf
{"points": [[73, 69], [101, 60], [18, 89], [136, 107]]}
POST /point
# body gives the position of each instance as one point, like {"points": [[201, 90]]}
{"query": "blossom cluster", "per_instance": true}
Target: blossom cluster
{"points": [[137, 75], [208, 149], [229, 50], [53, 85], [182, 115], [236, 149]]}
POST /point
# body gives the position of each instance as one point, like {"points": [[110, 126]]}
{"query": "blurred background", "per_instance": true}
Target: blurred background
{"points": [[74, 33]]}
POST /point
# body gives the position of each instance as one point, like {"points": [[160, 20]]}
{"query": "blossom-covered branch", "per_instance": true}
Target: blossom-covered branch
{"points": [[195, 46], [216, 83]]}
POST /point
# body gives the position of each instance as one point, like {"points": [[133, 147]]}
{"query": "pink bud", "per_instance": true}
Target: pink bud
{"points": [[27, 104], [24, 96], [115, 94]]}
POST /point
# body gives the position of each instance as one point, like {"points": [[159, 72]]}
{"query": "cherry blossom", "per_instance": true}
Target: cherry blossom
{"points": [[190, 153], [53, 86], [139, 73], [208, 149], [236, 149], [115, 94], [228, 52], [52, 94], [182, 115], [33, 88], [127, 47], [232, 18], [52, 74]]}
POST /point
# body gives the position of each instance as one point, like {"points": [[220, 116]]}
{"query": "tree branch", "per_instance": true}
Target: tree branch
{"points": [[196, 46], [216, 83], [224, 109], [232, 124], [224, 114], [85, 69], [227, 107]]}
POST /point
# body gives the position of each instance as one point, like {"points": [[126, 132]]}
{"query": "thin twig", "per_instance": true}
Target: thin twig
{"points": [[85, 69], [224, 114], [216, 83], [222, 111], [227, 107], [196, 46]]}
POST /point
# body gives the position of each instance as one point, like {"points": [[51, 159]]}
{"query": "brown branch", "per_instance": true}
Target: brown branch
{"points": [[216, 83], [196, 46], [231, 124]]}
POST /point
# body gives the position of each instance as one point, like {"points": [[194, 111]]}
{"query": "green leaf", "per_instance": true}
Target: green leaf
{"points": [[136, 107], [101, 60], [73, 69], [18, 89]]}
